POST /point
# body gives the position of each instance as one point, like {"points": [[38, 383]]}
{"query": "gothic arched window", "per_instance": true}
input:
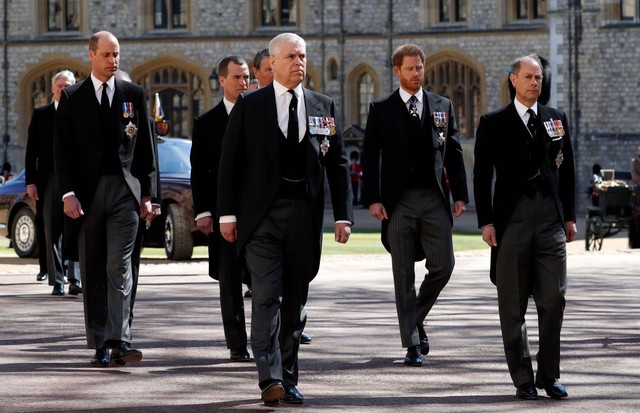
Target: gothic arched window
{"points": [[365, 97]]}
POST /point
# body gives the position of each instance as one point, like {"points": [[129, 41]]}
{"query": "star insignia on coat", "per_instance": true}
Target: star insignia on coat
{"points": [[131, 130]]}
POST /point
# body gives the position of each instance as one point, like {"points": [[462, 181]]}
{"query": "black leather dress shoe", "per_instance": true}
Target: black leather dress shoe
{"points": [[553, 387], [101, 357], [75, 289], [424, 340], [305, 338], [239, 354], [123, 354], [248, 293], [42, 276], [58, 289], [413, 357], [273, 393], [527, 391], [292, 395]]}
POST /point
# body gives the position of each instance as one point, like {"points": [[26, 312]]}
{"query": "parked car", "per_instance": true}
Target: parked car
{"points": [[18, 217], [174, 230]]}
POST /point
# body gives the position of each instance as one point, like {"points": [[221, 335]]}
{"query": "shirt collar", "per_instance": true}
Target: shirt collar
{"points": [[97, 84], [281, 89], [404, 95], [228, 105], [522, 109]]}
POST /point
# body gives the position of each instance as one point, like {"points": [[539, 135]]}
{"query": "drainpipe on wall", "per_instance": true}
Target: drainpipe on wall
{"points": [[5, 65], [341, 40], [390, 46], [322, 48]]}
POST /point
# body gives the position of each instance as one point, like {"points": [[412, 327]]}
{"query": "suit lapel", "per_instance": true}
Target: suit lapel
{"points": [[93, 106], [312, 108], [433, 103], [269, 120], [399, 109], [544, 116]]}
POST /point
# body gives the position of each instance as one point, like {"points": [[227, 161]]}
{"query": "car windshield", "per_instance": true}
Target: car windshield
{"points": [[173, 155]]}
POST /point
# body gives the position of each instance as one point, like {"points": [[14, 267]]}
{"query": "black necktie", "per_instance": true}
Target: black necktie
{"points": [[292, 128], [104, 100], [532, 125]]}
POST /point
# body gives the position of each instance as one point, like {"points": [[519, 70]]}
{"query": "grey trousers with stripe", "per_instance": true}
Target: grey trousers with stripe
{"points": [[420, 220]]}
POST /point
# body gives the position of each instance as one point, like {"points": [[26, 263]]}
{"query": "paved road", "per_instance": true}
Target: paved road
{"points": [[355, 361]]}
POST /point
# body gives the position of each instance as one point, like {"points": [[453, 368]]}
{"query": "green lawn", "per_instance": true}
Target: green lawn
{"points": [[359, 243]]}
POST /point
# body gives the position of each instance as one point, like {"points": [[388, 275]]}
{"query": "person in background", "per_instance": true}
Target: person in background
{"points": [[262, 68], [635, 169], [596, 179], [224, 266], [42, 186], [634, 229], [6, 171], [144, 223], [355, 171], [527, 218]]}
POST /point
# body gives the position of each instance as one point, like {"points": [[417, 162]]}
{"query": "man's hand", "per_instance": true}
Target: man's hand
{"points": [[489, 235], [72, 207], [205, 225], [145, 207], [571, 229], [458, 208], [377, 211], [32, 191], [229, 231], [156, 211], [342, 232]]}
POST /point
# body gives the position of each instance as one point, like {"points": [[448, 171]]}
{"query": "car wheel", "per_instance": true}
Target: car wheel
{"points": [[23, 234], [178, 243]]}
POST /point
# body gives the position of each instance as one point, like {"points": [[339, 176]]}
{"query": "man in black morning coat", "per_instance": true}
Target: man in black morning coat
{"points": [[208, 130], [280, 141], [105, 164], [527, 222]]}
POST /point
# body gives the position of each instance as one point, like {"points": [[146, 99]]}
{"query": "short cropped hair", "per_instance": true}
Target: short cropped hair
{"points": [[66, 74], [223, 67], [406, 50], [274, 44], [257, 60], [515, 66]]}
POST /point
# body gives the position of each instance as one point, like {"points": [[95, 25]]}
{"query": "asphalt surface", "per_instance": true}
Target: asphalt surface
{"points": [[354, 363]]}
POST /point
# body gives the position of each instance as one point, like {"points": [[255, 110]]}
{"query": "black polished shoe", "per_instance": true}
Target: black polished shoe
{"points": [[527, 391], [424, 340], [292, 395], [248, 293], [123, 354], [239, 354], [101, 357], [75, 289], [42, 276], [58, 289], [413, 357], [272, 393], [553, 387], [305, 338]]}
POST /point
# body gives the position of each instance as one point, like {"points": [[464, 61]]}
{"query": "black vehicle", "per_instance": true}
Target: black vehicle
{"points": [[174, 230]]}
